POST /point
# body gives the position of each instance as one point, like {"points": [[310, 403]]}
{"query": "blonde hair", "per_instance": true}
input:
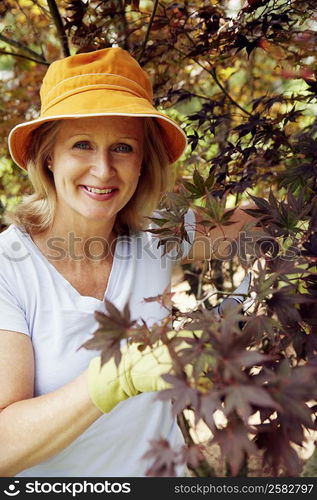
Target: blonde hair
{"points": [[35, 213]]}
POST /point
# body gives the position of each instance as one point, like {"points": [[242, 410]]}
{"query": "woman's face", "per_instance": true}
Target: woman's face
{"points": [[96, 164]]}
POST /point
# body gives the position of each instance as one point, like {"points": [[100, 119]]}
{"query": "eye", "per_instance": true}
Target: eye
{"points": [[82, 145], [123, 148]]}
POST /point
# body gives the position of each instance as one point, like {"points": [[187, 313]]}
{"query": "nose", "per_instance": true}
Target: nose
{"points": [[102, 166]]}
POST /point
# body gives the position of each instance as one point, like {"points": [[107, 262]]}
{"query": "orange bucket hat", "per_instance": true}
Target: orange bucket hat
{"points": [[105, 82]]}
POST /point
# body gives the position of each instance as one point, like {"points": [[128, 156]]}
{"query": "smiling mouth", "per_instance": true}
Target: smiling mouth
{"points": [[99, 191]]}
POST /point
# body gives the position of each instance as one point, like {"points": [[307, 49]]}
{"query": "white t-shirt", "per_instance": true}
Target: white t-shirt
{"points": [[36, 300]]}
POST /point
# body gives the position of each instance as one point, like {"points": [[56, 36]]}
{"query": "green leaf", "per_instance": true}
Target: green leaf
{"points": [[199, 182]]}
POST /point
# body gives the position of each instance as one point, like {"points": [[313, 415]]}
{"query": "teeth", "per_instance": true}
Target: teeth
{"points": [[98, 191]]}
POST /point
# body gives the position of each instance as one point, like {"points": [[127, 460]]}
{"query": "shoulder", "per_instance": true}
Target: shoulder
{"points": [[11, 233], [7, 239], [12, 247], [6, 233]]}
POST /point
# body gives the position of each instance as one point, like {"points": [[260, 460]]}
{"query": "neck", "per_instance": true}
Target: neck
{"points": [[81, 242]]}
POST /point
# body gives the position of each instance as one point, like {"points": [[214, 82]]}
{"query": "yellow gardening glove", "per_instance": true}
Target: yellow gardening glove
{"points": [[141, 371], [137, 372]]}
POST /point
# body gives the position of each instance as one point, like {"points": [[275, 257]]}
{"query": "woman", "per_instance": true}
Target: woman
{"points": [[98, 159]]}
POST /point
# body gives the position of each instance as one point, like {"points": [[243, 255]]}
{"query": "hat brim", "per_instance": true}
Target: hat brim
{"points": [[98, 102]]}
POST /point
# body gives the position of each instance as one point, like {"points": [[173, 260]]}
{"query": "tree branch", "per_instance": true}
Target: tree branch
{"points": [[212, 72], [122, 15], [59, 26], [14, 54], [19, 45], [41, 7], [148, 30], [203, 469]]}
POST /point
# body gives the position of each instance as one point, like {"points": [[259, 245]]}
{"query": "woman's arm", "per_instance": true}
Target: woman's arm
{"points": [[34, 429]]}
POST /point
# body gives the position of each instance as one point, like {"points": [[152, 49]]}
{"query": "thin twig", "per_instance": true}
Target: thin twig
{"points": [[148, 29], [203, 468], [59, 26], [212, 72], [32, 26], [125, 30], [41, 7], [19, 45], [45, 63]]}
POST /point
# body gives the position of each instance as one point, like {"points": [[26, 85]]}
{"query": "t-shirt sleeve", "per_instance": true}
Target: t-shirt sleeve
{"points": [[12, 316], [180, 248], [190, 226]]}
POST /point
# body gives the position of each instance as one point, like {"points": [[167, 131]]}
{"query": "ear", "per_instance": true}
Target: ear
{"points": [[49, 162]]}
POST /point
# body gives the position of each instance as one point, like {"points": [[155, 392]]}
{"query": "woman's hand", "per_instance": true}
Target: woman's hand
{"points": [[138, 371], [141, 371]]}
